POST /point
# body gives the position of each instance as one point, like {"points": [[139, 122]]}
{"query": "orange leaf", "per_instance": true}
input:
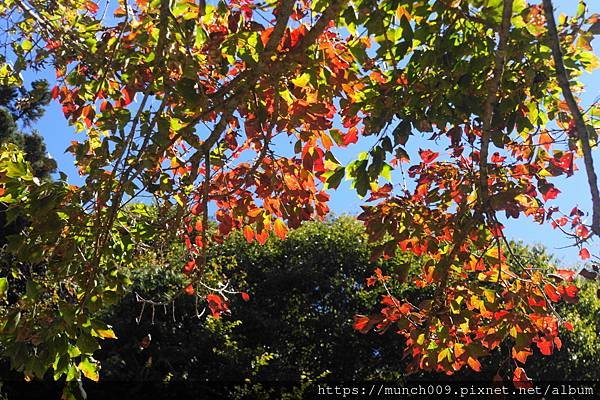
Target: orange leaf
{"points": [[262, 236], [280, 229], [474, 364], [91, 6], [545, 140], [520, 378], [189, 289], [521, 356], [428, 156], [248, 233], [546, 346]]}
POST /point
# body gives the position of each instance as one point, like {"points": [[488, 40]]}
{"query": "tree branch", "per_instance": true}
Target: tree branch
{"points": [[492, 97], [582, 133]]}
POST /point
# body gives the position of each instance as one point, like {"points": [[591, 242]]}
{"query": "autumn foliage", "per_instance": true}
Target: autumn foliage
{"points": [[241, 109]]}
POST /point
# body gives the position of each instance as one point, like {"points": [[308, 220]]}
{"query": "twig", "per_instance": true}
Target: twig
{"points": [[582, 133]]}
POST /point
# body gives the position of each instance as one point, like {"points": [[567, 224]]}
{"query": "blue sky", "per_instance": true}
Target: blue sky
{"points": [[58, 136]]}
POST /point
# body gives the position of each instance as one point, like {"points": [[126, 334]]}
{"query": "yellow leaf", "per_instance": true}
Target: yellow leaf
{"points": [[280, 229], [443, 354], [302, 80], [106, 333], [490, 295]]}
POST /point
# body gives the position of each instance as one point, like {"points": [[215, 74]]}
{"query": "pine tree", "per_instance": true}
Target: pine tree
{"points": [[24, 106], [19, 105]]}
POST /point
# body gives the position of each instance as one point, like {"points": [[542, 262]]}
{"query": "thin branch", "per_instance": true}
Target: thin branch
{"points": [[492, 97], [582, 133]]}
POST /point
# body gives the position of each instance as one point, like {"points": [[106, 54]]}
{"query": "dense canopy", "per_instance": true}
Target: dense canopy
{"points": [[239, 109]]}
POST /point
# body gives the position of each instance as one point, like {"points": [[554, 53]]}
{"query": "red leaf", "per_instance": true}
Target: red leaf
{"points": [[127, 96], [550, 194], [551, 292], [189, 266], [351, 136], [497, 158], [217, 305], [245, 296], [54, 92], [584, 254], [53, 44], [189, 289], [262, 236], [428, 156], [566, 274], [557, 342], [91, 6], [569, 293], [360, 322], [582, 231], [498, 315], [568, 326]]}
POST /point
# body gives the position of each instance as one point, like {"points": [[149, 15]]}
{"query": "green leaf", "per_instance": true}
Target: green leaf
{"points": [[73, 373], [201, 36], [386, 172], [401, 133], [87, 344], [89, 369], [31, 290], [334, 180], [337, 136], [3, 288]]}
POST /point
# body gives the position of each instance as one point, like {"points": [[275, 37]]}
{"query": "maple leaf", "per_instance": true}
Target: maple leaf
{"points": [[216, 304], [520, 378], [551, 292], [280, 229], [248, 233], [521, 355], [546, 346], [549, 193], [428, 156], [351, 136]]}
